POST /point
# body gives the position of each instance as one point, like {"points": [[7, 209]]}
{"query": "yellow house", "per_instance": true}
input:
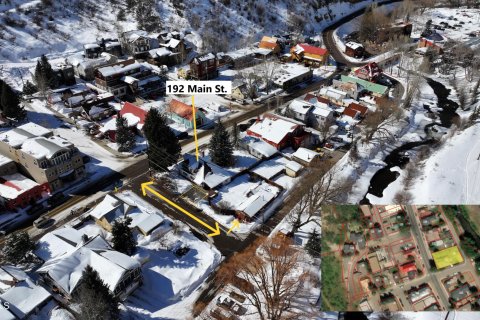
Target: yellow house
{"points": [[270, 43], [310, 55]]}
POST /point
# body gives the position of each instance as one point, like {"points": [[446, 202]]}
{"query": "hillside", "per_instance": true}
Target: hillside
{"points": [[56, 28]]}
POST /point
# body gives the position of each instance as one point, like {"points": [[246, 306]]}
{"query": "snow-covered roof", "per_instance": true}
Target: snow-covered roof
{"points": [[149, 222], [172, 43], [25, 297], [289, 71], [240, 53], [134, 35], [305, 154], [273, 129], [9, 275], [259, 146], [6, 315], [13, 185], [40, 147], [117, 69], [262, 195], [319, 110], [108, 204], [205, 57], [57, 243], [112, 44], [91, 46], [35, 129], [353, 45], [15, 137], [332, 93], [294, 166], [66, 270], [159, 52], [300, 106], [270, 168]]}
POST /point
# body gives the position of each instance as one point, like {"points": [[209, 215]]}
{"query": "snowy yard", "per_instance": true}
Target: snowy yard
{"points": [[170, 279]]}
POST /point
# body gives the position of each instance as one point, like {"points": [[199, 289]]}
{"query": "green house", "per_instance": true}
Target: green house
{"points": [[375, 88]]}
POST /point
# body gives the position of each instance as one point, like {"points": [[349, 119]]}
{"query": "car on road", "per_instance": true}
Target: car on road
{"points": [[42, 222]]}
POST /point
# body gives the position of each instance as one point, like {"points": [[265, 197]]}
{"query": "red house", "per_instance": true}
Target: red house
{"points": [[17, 191], [358, 107], [408, 269], [369, 71], [135, 119], [279, 132]]}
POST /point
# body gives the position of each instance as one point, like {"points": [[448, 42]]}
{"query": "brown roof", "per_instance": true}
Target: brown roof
{"points": [[352, 113], [310, 96], [181, 109], [358, 107]]}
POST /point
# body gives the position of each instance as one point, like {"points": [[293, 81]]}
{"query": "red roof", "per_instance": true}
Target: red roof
{"points": [[181, 109], [310, 96], [352, 113], [133, 109], [358, 107], [407, 267], [312, 49]]}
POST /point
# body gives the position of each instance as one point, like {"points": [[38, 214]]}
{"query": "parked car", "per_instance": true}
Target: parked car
{"points": [[42, 222]]}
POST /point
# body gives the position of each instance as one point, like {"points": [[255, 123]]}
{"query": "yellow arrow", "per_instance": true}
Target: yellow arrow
{"points": [[195, 127], [145, 187], [235, 225]]}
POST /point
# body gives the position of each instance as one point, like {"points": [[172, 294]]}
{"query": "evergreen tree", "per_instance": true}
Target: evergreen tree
{"points": [[17, 247], [124, 137], [220, 146], [10, 103], [94, 297], [29, 88], [163, 146], [123, 239], [313, 245], [44, 76]]}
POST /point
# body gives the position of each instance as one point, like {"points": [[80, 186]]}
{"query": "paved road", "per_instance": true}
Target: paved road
{"points": [[431, 278]]}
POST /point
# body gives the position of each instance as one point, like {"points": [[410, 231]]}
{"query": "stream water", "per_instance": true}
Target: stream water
{"points": [[398, 157]]}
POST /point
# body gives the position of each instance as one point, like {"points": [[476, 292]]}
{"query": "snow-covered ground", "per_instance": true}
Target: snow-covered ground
{"points": [[171, 283]]}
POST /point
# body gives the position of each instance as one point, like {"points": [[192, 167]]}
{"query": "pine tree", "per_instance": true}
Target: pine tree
{"points": [[94, 297], [123, 239], [220, 146], [147, 16], [10, 103], [17, 247], [313, 245], [124, 137], [29, 88], [163, 146], [44, 76]]}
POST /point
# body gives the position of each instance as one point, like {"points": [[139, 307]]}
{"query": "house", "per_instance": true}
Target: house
{"points": [[279, 132], [435, 43], [129, 78], [203, 173], [162, 56], [460, 293], [17, 191], [300, 110], [306, 157], [334, 96], [358, 239], [419, 293], [111, 46], [293, 169], [240, 91], [42, 156], [270, 43], [314, 99], [91, 50], [112, 208], [183, 114], [352, 89], [355, 111], [348, 249], [289, 75], [64, 74], [368, 72], [311, 55], [374, 263], [354, 49], [257, 147], [135, 120], [85, 68], [23, 296], [67, 252], [204, 67], [178, 48], [377, 90], [240, 58], [409, 270], [137, 43]]}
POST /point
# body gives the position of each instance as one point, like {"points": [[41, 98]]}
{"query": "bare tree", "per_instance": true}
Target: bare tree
{"points": [[378, 124], [320, 186], [268, 69], [251, 81], [425, 4], [267, 273], [325, 129]]}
